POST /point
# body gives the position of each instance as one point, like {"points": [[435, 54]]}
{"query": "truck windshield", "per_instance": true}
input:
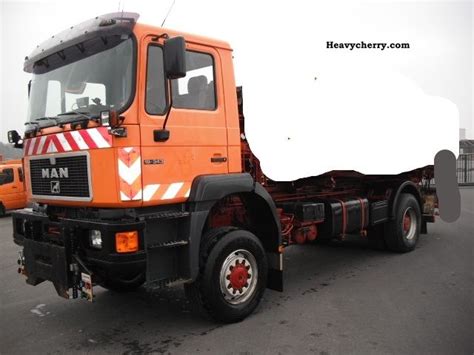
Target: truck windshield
{"points": [[85, 79]]}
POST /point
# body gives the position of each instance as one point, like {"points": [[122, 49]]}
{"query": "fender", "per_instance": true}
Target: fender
{"points": [[206, 190], [406, 186]]}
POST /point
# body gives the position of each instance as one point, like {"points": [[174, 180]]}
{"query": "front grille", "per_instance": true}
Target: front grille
{"points": [[66, 177]]}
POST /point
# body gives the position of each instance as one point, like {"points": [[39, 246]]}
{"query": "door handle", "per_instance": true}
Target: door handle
{"points": [[218, 159]]}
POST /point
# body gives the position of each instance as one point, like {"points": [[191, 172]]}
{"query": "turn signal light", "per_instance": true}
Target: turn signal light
{"points": [[126, 242]]}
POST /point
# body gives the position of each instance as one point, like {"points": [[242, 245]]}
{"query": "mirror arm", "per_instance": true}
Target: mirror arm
{"points": [[174, 55], [162, 135], [170, 104]]}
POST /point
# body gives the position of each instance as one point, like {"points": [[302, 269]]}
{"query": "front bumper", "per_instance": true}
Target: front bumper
{"points": [[58, 250]]}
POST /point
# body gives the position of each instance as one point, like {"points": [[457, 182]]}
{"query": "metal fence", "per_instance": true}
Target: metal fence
{"points": [[465, 169]]}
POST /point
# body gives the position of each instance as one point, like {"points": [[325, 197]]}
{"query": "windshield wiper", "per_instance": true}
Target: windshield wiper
{"points": [[37, 124], [83, 118], [73, 112], [44, 119]]}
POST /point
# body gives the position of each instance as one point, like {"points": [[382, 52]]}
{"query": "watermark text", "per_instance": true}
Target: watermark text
{"points": [[366, 45]]}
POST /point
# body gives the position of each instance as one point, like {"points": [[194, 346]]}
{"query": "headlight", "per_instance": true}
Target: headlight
{"points": [[95, 239]]}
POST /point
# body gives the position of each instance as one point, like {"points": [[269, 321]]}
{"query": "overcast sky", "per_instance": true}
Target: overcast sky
{"points": [[442, 68]]}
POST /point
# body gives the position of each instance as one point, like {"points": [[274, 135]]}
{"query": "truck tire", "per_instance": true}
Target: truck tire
{"points": [[403, 231], [2, 210], [232, 275], [122, 286]]}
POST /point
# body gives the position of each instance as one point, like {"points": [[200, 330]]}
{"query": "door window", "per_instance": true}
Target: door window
{"points": [[155, 97], [6, 176], [197, 89]]}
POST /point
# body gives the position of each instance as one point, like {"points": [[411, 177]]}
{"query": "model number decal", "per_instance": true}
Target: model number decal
{"points": [[153, 161]]}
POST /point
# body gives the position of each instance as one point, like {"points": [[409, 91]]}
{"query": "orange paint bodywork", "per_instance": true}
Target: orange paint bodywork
{"points": [[12, 194], [195, 137]]}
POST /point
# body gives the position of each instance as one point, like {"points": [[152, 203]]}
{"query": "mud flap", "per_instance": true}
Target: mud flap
{"points": [[275, 271]]}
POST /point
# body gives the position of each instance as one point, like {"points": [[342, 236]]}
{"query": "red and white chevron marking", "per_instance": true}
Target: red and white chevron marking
{"points": [[92, 138], [130, 173], [160, 192]]}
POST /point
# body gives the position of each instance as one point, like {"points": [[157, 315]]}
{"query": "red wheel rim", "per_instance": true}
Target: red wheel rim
{"points": [[238, 276], [406, 223], [409, 224]]}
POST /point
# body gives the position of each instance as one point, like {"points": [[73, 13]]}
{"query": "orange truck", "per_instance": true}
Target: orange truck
{"points": [[139, 172], [12, 186]]}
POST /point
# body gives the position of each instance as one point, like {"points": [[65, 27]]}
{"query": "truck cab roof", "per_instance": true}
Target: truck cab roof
{"points": [[117, 23]]}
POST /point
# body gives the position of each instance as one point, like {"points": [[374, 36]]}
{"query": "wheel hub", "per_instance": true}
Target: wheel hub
{"points": [[409, 223], [406, 223], [238, 276]]}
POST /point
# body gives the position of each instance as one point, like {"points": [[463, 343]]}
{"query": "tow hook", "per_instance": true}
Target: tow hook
{"points": [[21, 263]]}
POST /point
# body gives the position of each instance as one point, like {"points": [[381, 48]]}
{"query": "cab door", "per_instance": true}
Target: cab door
{"points": [[197, 143]]}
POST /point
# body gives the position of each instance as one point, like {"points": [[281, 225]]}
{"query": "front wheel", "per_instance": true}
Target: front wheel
{"points": [[402, 233], [233, 275]]}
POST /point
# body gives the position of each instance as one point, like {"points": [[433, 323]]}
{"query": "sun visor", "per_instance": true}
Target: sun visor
{"points": [[108, 24]]}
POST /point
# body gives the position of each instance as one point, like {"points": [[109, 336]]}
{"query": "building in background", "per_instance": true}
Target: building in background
{"points": [[466, 146], [465, 162]]}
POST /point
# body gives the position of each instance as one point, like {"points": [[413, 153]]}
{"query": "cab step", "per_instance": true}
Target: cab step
{"points": [[170, 282], [165, 215], [176, 243]]}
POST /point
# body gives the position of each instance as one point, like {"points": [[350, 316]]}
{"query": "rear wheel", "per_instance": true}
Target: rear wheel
{"points": [[2, 210], [402, 233], [233, 274]]}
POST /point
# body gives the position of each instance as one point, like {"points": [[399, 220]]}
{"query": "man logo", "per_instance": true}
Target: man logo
{"points": [[55, 187], [55, 173]]}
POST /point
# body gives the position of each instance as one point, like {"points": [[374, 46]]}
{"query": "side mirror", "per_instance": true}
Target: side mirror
{"points": [[13, 137], [174, 54], [161, 135]]}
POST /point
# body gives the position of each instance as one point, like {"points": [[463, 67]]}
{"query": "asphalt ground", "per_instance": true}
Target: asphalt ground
{"points": [[339, 298]]}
